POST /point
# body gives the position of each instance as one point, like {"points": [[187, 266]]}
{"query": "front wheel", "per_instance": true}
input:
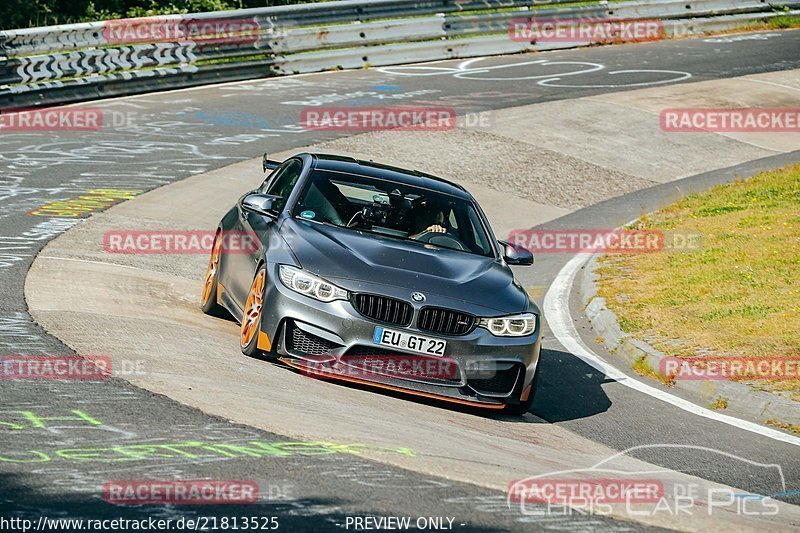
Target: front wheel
{"points": [[251, 319], [210, 305]]}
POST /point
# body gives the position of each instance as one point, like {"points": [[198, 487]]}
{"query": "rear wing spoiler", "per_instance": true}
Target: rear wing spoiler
{"points": [[269, 164]]}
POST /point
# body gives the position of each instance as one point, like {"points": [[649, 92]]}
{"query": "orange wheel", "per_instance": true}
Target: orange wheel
{"points": [[251, 321], [210, 284]]}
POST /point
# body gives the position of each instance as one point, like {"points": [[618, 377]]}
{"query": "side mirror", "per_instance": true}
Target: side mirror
{"points": [[269, 164], [516, 255], [261, 204]]}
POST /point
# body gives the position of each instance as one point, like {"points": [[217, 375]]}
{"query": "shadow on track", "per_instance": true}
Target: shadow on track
{"points": [[18, 499], [568, 389]]}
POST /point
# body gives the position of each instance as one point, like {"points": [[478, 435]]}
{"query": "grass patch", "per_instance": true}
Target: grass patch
{"points": [[719, 404], [738, 295], [783, 22], [783, 425], [643, 369]]}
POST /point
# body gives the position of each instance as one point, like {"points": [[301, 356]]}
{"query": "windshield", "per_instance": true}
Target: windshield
{"points": [[373, 205]]}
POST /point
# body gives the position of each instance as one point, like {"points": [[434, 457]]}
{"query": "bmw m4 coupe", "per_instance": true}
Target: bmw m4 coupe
{"points": [[373, 274]]}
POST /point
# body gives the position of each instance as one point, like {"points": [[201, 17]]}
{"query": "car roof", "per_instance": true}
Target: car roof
{"points": [[349, 165]]}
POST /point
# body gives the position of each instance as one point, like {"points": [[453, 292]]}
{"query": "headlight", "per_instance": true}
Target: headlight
{"points": [[301, 281], [510, 326]]}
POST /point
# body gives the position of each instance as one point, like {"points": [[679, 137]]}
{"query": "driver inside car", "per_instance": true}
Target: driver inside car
{"points": [[429, 220]]}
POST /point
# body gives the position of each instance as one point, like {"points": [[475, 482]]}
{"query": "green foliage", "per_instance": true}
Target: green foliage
{"points": [[783, 22], [31, 13]]}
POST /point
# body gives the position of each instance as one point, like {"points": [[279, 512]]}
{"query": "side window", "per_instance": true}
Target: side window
{"points": [[452, 219], [262, 189], [283, 183]]}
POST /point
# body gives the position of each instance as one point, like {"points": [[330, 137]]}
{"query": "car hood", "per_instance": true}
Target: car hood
{"points": [[343, 255]]}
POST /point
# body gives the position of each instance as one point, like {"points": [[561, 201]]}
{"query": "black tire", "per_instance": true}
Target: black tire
{"points": [[209, 304]]}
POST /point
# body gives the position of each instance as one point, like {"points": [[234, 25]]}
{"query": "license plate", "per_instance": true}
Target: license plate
{"points": [[409, 341]]}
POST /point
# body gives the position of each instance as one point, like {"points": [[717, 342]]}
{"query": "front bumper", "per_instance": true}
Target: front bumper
{"points": [[333, 340]]}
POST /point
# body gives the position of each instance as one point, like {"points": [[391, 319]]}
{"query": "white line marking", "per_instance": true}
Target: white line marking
{"points": [[556, 311], [56, 258], [681, 76], [772, 83]]}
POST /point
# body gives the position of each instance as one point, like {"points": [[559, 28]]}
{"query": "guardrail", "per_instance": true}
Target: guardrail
{"points": [[91, 60]]}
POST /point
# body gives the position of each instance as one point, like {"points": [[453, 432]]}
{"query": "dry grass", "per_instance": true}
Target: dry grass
{"points": [[784, 426], [643, 369], [738, 295], [719, 404], [781, 22]]}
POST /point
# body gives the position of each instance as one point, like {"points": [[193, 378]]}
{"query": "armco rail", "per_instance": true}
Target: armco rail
{"points": [[76, 62]]}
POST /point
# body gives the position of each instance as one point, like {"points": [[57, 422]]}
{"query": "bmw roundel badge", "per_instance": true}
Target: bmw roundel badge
{"points": [[417, 296]]}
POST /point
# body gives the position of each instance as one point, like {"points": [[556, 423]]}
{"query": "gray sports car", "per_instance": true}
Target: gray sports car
{"points": [[373, 274]]}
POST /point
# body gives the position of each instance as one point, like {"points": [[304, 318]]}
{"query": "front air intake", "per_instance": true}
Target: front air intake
{"points": [[383, 309]]}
